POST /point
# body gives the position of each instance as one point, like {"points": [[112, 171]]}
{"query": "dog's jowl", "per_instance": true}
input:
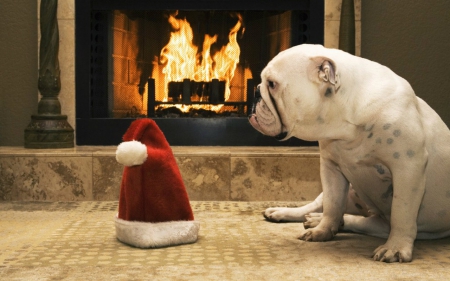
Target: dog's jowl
{"points": [[384, 153]]}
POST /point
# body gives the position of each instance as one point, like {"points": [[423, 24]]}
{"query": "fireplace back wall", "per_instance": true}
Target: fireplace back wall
{"points": [[118, 44]]}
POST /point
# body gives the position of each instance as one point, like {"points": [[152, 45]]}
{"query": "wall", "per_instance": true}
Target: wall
{"points": [[412, 38], [18, 69]]}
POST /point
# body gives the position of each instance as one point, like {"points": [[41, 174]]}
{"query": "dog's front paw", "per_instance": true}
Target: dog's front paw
{"points": [[393, 252], [317, 235]]}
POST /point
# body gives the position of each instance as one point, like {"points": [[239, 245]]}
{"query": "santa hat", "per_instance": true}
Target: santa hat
{"points": [[154, 209]]}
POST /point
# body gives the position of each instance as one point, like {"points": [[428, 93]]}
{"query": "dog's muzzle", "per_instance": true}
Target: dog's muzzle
{"points": [[255, 123]]}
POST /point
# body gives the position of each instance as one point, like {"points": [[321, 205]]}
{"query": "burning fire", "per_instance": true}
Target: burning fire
{"points": [[182, 60]]}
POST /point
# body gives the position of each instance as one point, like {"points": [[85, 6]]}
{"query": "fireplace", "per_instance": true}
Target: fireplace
{"points": [[191, 65]]}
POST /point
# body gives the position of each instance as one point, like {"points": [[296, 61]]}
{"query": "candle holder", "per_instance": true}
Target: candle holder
{"points": [[49, 128]]}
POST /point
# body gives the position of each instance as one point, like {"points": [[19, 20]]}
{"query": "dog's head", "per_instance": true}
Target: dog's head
{"points": [[294, 86]]}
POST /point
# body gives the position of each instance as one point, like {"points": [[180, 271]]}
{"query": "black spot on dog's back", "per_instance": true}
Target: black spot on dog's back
{"points": [[387, 126]]}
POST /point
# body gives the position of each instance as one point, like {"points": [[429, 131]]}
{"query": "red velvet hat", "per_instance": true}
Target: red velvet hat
{"points": [[154, 209]]}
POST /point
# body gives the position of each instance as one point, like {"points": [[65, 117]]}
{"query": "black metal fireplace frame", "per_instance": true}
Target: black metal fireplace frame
{"points": [[230, 131]]}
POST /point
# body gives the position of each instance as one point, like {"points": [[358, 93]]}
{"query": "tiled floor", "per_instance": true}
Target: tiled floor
{"points": [[76, 241]]}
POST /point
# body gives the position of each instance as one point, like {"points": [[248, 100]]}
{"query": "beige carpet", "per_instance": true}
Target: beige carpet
{"points": [[76, 241]]}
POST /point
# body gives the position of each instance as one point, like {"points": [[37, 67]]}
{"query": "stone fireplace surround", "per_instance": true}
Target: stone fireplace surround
{"points": [[109, 83], [210, 173]]}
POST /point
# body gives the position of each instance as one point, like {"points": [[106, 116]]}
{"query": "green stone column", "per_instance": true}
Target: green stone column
{"points": [[347, 27], [48, 128]]}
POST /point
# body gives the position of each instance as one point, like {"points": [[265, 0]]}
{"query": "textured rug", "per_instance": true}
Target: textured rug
{"points": [[76, 241]]}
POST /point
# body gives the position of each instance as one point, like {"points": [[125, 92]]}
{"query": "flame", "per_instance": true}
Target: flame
{"points": [[227, 59], [179, 54], [205, 70], [182, 60]]}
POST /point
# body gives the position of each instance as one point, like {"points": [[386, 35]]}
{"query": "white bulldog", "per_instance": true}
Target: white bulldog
{"points": [[376, 137]]}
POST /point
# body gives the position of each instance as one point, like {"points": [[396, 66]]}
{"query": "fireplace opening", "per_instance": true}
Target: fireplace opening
{"points": [[192, 66], [178, 64]]}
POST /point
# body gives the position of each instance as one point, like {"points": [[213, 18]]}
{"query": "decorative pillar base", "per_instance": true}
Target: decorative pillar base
{"points": [[49, 131]]}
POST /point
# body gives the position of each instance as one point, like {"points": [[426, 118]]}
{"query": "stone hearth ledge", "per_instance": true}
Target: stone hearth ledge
{"points": [[87, 173]]}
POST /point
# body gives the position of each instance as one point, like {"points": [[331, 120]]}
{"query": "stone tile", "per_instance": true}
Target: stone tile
{"points": [[46, 178], [66, 9], [106, 177], [240, 151], [206, 178], [66, 58], [358, 10], [11, 151], [92, 173], [331, 39], [358, 38], [332, 9], [274, 151], [274, 178], [204, 151]]}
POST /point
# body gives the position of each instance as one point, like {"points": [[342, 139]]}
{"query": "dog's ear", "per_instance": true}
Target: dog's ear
{"points": [[322, 69]]}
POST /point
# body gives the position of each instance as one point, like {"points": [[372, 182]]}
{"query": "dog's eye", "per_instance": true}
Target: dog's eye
{"points": [[271, 84]]}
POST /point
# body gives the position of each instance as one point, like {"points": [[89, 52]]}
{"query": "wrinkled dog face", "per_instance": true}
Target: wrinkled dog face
{"points": [[289, 100], [267, 110], [265, 117]]}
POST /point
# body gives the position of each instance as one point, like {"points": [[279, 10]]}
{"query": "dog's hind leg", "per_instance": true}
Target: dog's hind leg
{"points": [[283, 214], [373, 225], [312, 220]]}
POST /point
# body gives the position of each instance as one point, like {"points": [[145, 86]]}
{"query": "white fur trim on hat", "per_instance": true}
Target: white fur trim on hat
{"points": [[131, 153], [154, 235]]}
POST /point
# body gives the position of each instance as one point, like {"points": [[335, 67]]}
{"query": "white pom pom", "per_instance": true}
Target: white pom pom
{"points": [[131, 153]]}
